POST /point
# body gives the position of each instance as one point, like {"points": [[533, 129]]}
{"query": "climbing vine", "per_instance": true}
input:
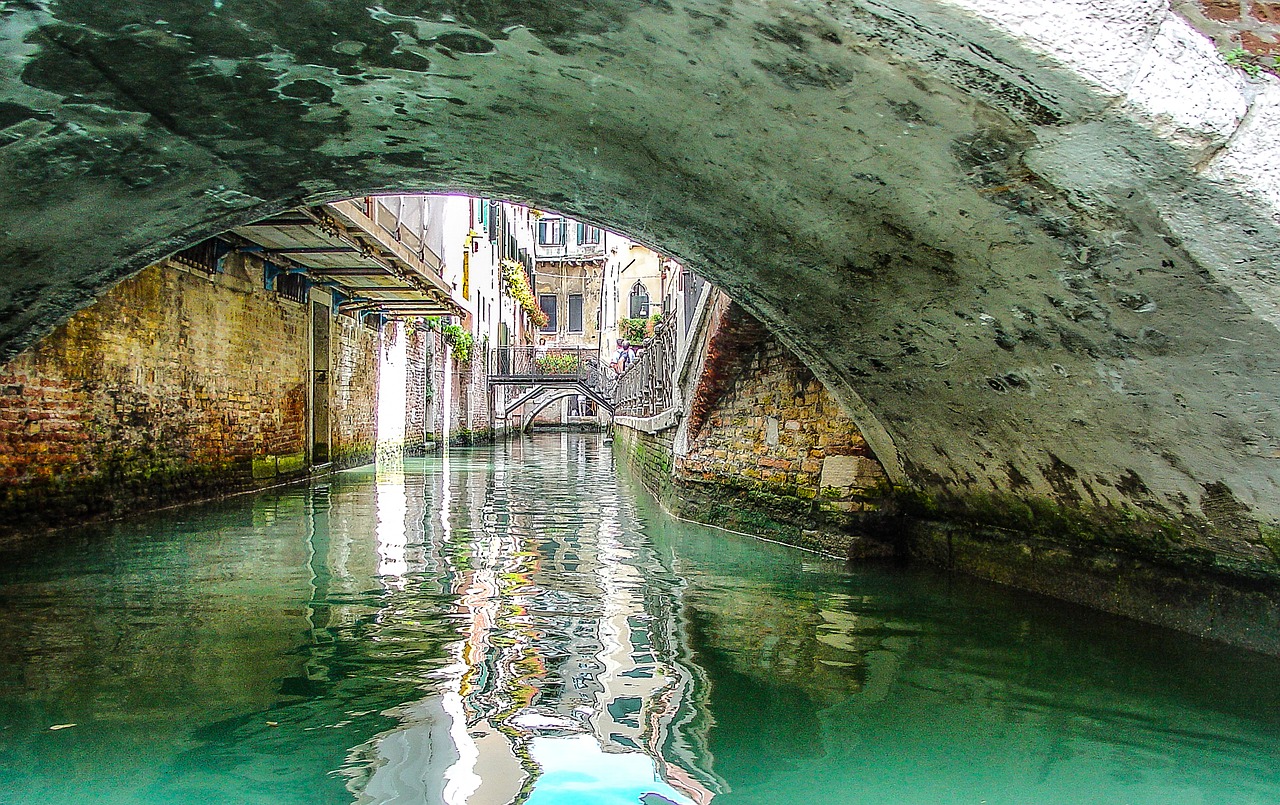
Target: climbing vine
{"points": [[517, 284]]}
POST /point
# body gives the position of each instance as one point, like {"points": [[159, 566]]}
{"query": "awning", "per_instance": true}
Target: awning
{"points": [[342, 248]]}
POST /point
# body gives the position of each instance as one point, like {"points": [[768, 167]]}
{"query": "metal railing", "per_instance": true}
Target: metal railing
{"points": [[541, 364], [647, 387]]}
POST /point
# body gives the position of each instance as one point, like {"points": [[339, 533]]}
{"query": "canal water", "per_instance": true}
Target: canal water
{"points": [[522, 623]]}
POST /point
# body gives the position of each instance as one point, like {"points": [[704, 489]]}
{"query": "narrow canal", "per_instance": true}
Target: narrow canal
{"points": [[521, 623]]}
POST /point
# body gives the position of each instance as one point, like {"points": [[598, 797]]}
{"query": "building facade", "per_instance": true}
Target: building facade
{"points": [[570, 263]]}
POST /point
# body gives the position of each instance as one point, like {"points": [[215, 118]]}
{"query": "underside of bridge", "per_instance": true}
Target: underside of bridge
{"points": [[1030, 246]]}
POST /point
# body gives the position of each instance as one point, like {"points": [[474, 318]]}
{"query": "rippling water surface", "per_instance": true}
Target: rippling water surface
{"points": [[522, 624]]}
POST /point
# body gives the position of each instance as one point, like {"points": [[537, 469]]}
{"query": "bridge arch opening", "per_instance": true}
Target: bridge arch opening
{"points": [[996, 235]]}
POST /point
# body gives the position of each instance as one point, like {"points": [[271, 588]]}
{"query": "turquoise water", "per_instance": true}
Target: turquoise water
{"points": [[522, 624]]}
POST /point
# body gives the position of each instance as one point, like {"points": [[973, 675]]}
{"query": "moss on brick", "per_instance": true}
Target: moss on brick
{"points": [[1084, 531], [1270, 537]]}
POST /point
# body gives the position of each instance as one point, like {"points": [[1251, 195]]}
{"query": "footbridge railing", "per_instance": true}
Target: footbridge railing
{"points": [[541, 367], [648, 387]]}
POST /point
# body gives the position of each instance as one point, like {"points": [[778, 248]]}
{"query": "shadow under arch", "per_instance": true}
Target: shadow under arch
{"points": [[541, 403], [970, 244]]}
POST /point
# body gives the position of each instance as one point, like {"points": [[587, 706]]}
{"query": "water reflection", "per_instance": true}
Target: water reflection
{"points": [[558, 690], [522, 625]]}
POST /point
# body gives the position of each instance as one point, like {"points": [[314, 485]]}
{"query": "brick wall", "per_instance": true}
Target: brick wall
{"points": [[1254, 26], [354, 410], [468, 394], [776, 457], [176, 384], [417, 429], [769, 451], [776, 429], [471, 385]]}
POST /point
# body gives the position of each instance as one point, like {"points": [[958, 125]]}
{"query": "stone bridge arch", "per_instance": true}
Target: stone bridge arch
{"points": [[540, 403], [1031, 246]]}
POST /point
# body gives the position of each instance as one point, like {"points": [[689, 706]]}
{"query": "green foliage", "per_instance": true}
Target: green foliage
{"points": [[635, 331], [1242, 59], [460, 342], [632, 330], [557, 364]]}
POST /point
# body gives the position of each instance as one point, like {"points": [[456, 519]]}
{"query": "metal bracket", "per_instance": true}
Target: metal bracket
{"points": [[270, 271]]}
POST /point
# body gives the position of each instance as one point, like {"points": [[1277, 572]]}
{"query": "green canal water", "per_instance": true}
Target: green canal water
{"points": [[523, 624]]}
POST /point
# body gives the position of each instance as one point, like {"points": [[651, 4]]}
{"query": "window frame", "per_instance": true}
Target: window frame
{"points": [[569, 313], [550, 326], [631, 301], [555, 227]]}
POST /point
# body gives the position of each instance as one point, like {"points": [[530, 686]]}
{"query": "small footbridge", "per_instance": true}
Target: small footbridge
{"points": [[536, 377]]}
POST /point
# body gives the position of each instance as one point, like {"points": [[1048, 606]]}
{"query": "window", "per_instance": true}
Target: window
{"points": [[547, 302], [206, 255], [551, 232], [588, 234], [639, 301], [575, 312], [293, 286]]}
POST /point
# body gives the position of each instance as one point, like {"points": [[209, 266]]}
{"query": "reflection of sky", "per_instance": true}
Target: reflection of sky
{"points": [[576, 771], [463, 744]]}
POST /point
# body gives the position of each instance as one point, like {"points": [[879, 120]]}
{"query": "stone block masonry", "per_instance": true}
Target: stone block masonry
{"points": [[768, 449], [777, 430], [176, 384]]}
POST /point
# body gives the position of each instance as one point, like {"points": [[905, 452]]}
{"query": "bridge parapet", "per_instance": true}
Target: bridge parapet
{"points": [[648, 387]]}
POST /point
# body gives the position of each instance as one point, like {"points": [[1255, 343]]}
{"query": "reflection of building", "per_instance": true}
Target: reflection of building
{"points": [[564, 678]]}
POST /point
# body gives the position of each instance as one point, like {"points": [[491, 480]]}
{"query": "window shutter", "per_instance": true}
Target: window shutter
{"points": [[575, 312]]}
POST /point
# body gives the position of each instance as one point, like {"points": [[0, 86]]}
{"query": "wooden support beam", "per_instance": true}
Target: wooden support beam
{"points": [[283, 221], [305, 250], [351, 271]]}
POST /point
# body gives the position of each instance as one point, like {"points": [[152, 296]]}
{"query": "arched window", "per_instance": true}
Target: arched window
{"points": [[639, 301]]}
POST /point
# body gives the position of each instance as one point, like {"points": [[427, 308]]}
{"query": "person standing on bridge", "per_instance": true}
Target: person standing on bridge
{"points": [[621, 358]]}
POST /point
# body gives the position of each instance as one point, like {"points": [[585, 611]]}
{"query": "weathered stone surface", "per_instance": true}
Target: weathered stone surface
{"points": [[1021, 242], [174, 385], [850, 472], [769, 426]]}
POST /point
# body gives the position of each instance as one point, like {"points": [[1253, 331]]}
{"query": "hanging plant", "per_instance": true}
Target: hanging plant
{"points": [[517, 284], [460, 342]]}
